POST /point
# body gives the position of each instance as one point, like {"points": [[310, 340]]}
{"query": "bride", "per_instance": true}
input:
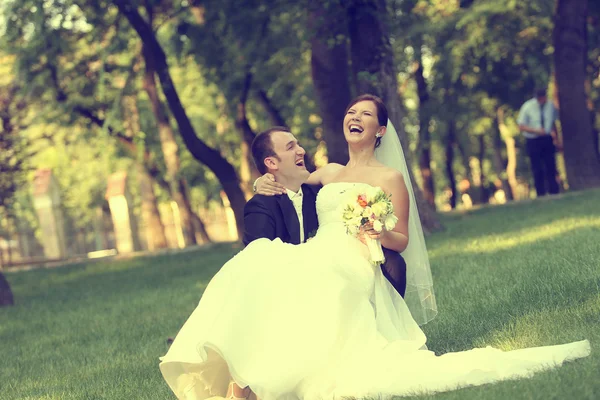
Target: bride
{"points": [[317, 320]]}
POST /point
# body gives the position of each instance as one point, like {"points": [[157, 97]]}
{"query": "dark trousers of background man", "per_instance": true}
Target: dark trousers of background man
{"points": [[542, 155]]}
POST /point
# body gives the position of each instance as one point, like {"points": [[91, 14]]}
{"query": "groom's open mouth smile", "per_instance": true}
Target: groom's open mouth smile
{"points": [[300, 163], [355, 129]]}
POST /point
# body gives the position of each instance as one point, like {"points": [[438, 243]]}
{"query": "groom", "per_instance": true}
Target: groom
{"points": [[292, 216]]}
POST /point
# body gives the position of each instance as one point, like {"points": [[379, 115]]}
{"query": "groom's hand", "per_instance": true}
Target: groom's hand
{"points": [[266, 185]]}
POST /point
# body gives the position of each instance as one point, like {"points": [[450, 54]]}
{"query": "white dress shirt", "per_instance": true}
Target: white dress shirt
{"points": [[531, 115], [296, 199]]}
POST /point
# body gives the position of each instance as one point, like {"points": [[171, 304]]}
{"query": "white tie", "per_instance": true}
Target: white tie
{"points": [[297, 202]]}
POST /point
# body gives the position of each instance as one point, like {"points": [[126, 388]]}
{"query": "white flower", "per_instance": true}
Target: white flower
{"points": [[372, 193], [367, 212], [377, 225], [354, 224], [379, 209], [390, 222]]}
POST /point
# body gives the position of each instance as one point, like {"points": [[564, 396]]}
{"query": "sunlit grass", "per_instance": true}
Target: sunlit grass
{"points": [[511, 277], [525, 236]]}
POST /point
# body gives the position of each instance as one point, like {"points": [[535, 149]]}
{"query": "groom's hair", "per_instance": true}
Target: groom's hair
{"points": [[262, 147]]}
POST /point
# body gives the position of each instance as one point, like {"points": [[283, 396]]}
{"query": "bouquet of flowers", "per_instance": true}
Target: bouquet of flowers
{"points": [[371, 206]]}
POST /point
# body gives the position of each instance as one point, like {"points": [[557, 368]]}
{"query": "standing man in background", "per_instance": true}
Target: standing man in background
{"points": [[536, 121]]}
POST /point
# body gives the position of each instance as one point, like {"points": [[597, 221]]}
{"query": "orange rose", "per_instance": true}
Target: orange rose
{"points": [[362, 201]]}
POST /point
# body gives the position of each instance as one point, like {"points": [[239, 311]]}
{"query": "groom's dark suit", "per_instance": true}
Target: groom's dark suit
{"points": [[275, 217]]}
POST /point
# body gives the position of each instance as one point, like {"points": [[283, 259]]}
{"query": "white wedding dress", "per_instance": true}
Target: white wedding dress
{"points": [[318, 321]]}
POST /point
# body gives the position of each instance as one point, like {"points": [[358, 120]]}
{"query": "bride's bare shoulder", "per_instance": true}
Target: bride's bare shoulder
{"points": [[390, 178], [387, 173]]}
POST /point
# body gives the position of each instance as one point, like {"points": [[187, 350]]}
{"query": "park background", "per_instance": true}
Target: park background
{"points": [[124, 159]]}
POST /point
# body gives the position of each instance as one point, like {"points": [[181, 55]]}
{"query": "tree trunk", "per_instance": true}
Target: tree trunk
{"points": [[223, 170], [6, 296], [199, 227], [511, 164], [9, 247], [450, 141], [155, 230], [483, 196], [374, 71], [424, 134], [464, 158], [570, 58], [511, 155], [170, 149], [468, 182], [427, 174], [497, 159], [369, 46], [248, 170], [274, 114], [329, 64], [202, 235]]}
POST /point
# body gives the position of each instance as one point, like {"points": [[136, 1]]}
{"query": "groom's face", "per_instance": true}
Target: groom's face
{"points": [[289, 163]]}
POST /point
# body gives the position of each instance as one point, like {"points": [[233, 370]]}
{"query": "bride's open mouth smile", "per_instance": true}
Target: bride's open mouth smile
{"points": [[355, 129]]}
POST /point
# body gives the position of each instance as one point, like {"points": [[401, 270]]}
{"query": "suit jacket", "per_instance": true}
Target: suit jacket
{"points": [[275, 217]]}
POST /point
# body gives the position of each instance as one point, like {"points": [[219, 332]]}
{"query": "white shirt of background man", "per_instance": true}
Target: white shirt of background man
{"points": [[530, 115]]}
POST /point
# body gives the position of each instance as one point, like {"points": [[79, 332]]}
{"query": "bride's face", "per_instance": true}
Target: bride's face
{"points": [[361, 123]]}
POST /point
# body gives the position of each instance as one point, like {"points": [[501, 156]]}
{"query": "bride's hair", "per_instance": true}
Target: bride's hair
{"points": [[382, 113]]}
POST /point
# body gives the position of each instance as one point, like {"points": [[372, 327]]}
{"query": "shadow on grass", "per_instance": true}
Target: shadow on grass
{"points": [[105, 280], [557, 229], [465, 323], [490, 291]]}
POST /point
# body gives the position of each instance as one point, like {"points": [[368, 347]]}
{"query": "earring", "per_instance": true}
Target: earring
{"points": [[378, 135]]}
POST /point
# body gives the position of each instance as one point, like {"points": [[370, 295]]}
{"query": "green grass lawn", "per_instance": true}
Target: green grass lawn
{"points": [[510, 276]]}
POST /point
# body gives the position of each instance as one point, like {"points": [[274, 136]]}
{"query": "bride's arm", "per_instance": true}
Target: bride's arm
{"points": [[397, 238], [323, 174]]}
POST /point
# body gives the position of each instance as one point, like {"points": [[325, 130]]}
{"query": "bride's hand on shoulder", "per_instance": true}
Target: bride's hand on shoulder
{"points": [[267, 186]]}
